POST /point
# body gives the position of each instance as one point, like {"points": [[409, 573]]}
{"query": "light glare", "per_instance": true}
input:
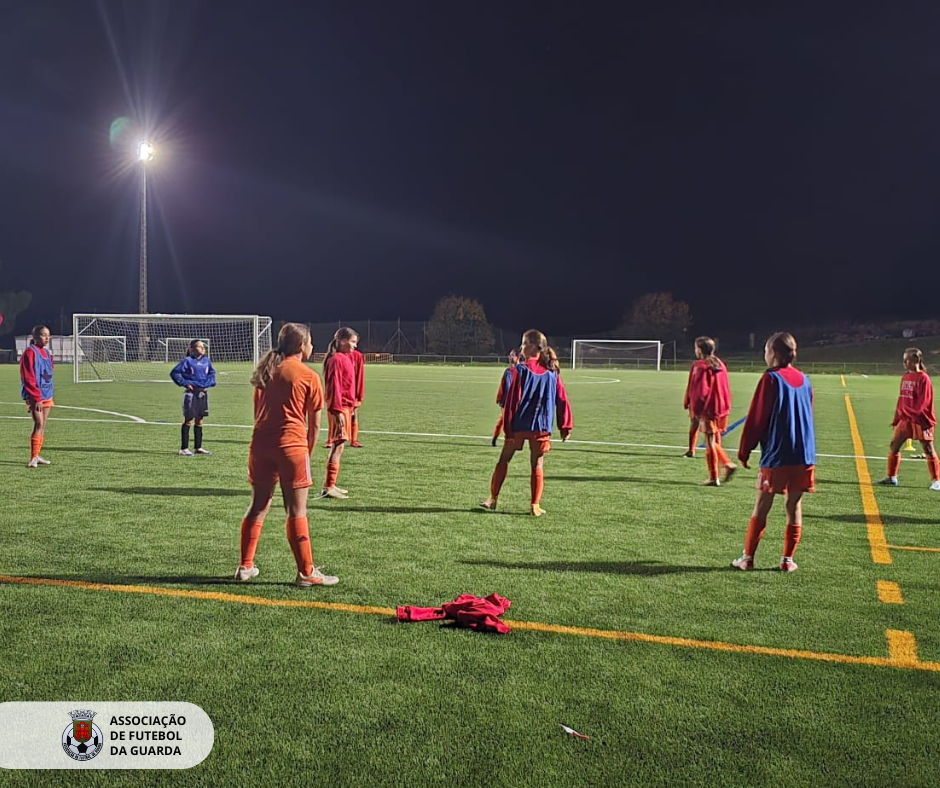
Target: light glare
{"points": [[146, 151]]}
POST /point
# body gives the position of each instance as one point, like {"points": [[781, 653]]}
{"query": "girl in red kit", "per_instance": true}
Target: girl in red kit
{"points": [[708, 398], [359, 368], [914, 419], [339, 375], [780, 419], [37, 389], [534, 397], [513, 360]]}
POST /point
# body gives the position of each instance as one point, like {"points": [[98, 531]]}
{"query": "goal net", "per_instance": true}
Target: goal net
{"points": [[617, 353], [146, 347]]}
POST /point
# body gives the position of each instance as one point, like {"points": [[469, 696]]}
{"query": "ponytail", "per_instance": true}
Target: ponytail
{"points": [[340, 335], [707, 346], [290, 341], [547, 356]]}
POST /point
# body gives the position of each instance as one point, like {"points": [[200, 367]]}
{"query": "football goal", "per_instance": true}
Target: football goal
{"points": [[143, 347], [617, 353]]}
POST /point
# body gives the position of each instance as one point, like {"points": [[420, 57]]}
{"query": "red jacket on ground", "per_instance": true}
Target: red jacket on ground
{"points": [[473, 612]]}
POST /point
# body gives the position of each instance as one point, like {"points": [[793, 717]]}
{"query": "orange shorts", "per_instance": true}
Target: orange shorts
{"points": [[291, 467], [909, 431], [339, 433], [787, 478], [540, 440], [713, 426], [46, 403]]}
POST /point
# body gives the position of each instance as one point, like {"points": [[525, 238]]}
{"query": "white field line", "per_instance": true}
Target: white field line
{"points": [[130, 419]]}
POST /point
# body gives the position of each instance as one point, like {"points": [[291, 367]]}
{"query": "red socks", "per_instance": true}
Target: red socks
{"points": [[755, 530], [791, 538], [894, 462]]}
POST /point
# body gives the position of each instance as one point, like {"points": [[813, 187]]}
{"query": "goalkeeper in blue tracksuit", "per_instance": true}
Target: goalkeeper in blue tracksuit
{"points": [[194, 373]]}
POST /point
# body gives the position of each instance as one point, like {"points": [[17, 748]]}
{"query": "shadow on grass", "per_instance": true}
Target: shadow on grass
{"points": [[101, 450], [184, 492], [197, 580], [616, 452], [887, 519], [396, 509], [648, 568], [643, 480]]}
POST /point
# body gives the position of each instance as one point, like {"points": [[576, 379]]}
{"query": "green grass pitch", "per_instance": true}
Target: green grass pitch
{"points": [[631, 544]]}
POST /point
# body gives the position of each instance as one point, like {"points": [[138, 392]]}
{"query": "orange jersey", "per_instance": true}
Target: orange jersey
{"points": [[340, 376], [285, 406]]}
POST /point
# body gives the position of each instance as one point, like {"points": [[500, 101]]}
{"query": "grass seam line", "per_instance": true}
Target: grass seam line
{"points": [[902, 648]]}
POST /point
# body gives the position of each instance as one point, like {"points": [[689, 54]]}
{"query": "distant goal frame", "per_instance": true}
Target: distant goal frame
{"points": [[658, 344]]}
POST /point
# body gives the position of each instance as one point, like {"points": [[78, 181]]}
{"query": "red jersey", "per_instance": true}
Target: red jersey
{"points": [[708, 393], [284, 408], [339, 375], [359, 375], [915, 403]]}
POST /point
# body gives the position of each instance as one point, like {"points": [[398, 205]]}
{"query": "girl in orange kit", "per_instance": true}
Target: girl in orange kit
{"points": [[37, 389], [708, 398], [288, 400], [339, 374], [914, 419]]}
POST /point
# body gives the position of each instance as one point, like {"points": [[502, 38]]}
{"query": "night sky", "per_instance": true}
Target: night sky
{"points": [[554, 160]]}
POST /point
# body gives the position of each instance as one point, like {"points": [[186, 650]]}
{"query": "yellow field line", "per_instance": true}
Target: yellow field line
{"points": [[890, 593], [902, 649], [843, 380], [918, 549], [876, 530]]}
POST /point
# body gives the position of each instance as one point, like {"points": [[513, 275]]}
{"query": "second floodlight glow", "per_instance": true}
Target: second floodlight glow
{"points": [[146, 151]]}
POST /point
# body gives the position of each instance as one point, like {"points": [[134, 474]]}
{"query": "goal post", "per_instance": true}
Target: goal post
{"points": [[143, 348], [617, 353]]}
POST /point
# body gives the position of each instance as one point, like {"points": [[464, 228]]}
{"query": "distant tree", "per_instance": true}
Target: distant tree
{"points": [[11, 305], [459, 327], [658, 316]]}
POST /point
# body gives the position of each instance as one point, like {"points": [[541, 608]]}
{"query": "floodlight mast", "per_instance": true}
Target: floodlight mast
{"points": [[145, 154]]}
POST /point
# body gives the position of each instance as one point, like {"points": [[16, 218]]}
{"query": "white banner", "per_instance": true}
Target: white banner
{"points": [[104, 735]]}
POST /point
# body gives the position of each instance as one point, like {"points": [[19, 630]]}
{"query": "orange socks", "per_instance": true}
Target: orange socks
{"points": [[722, 455], [693, 436], [933, 464], [537, 483], [499, 476], [298, 534], [354, 431], [711, 460], [894, 462], [332, 473], [251, 533], [791, 538], [35, 444], [755, 530]]}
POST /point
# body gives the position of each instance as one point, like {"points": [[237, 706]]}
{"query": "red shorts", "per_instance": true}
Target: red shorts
{"points": [[908, 431], [540, 440], [291, 467], [46, 403], [339, 433], [713, 426], [787, 478]]}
